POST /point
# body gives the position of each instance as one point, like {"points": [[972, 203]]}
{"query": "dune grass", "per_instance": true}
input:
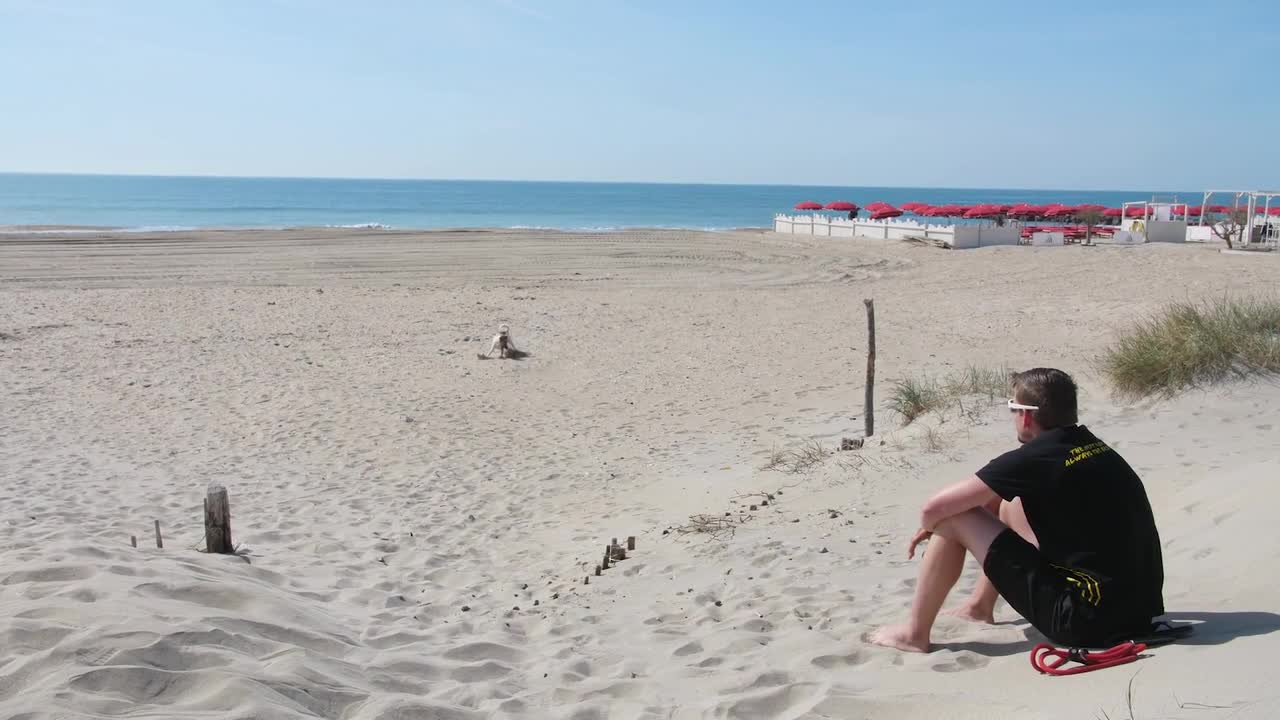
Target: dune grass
{"points": [[1194, 344], [914, 397]]}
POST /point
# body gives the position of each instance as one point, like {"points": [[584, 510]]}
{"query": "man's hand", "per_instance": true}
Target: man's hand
{"points": [[920, 536]]}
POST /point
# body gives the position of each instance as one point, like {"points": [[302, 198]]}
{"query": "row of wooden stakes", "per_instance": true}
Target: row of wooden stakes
{"points": [[613, 552]]}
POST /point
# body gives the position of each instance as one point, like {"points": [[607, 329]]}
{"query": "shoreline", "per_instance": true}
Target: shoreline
{"points": [[55, 229]]}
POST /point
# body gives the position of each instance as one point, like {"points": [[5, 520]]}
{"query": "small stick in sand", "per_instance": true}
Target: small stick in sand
{"points": [[133, 540], [159, 540], [631, 542], [586, 580], [598, 571], [605, 563]]}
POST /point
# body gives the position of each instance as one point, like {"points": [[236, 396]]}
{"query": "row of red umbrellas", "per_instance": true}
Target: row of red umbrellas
{"points": [[882, 210]]}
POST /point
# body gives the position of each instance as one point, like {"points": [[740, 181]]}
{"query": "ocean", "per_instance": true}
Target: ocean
{"points": [[177, 203]]}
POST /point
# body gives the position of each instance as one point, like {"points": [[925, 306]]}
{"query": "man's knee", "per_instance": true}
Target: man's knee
{"points": [[974, 529]]}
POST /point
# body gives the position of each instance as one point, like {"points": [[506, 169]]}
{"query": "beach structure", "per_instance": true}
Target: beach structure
{"points": [[984, 225]]}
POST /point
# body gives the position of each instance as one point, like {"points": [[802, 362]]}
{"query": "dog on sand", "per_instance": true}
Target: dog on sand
{"points": [[502, 344]]}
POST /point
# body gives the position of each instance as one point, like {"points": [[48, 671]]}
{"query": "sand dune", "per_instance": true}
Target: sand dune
{"points": [[416, 524]]}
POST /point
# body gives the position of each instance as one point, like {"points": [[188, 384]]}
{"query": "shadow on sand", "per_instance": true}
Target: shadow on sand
{"points": [[511, 355], [1211, 628]]}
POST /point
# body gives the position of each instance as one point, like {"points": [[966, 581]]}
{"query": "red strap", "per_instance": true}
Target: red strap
{"points": [[1049, 659]]}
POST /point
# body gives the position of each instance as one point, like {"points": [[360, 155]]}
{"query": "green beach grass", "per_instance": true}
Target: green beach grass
{"points": [[1188, 345]]}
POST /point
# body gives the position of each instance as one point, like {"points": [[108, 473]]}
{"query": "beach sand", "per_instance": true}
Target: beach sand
{"points": [[416, 523]]}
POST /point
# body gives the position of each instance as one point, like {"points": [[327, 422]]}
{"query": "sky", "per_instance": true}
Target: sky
{"points": [[1078, 95]]}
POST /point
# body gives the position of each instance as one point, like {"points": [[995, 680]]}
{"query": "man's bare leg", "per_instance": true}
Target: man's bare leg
{"points": [[981, 605], [939, 570]]}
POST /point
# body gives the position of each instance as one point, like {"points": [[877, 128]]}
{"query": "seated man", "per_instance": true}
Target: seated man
{"points": [[1061, 526]]}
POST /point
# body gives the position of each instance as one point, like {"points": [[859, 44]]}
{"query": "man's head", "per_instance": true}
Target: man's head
{"points": [[1043, 399]]}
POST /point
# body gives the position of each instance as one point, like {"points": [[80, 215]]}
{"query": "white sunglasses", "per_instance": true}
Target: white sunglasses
{"points": [[1019, 406]]}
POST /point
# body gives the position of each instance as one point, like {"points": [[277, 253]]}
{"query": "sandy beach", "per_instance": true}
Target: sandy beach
{"points": [[416, 523]]}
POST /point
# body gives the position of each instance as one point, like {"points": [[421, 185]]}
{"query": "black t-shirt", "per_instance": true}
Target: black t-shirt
{"points": [[1089, 511]]}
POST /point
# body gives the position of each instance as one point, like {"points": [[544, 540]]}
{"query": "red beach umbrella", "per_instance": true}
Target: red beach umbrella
{"points": [[1135, 211], [1274, 211], [808, 205], [1112, 212], [982, 211], [913, 205], [841, 205], [1219, 208], [885, 213], [1060, 211]]}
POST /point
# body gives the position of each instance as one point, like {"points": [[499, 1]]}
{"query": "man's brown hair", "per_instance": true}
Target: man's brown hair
{"points": [[1049, 389]]}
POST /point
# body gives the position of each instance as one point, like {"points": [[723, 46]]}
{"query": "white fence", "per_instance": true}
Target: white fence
{"points": [[957, 236]]}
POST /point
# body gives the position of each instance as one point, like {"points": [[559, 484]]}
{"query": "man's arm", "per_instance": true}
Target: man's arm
{"points": [[954, 499]]}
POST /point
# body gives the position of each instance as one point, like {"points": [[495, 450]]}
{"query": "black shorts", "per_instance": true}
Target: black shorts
{"points": [[1069, 606]]}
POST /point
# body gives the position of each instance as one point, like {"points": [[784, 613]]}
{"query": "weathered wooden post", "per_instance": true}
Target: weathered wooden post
{"points": [[869, 401], [159, 540], [217, 521], [133, 540], [631, 542]]}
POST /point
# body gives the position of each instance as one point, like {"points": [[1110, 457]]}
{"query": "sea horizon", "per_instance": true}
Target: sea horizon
{"points": [[188, 202]]}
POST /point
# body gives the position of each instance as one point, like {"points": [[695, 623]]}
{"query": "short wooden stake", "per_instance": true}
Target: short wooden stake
{"points": [[598, 571], [631, 542], [605, 563], [133, 540], [159, 540], [217, 521], [586, 580], [613, 543]]}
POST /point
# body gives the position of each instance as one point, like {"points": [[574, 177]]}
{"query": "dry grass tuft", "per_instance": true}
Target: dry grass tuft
{"points": [[802, 459], [913, 397]]}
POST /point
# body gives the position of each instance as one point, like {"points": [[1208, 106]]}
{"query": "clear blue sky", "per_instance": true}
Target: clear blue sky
{"points": [[1082, 94]]}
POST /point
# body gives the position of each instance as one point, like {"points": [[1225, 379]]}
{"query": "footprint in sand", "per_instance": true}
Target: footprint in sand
{"points": [[962, 662], [832, 662]]}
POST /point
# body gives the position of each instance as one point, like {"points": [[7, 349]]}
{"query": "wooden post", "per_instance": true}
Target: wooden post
{"points": [[159, 540], [133, 540], [869, 401], [217, 521], [631, 542], [605, 563], [597, 571]]}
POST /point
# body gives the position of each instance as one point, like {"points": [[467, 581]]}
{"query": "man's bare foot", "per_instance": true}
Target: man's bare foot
{"points": [[972, 613], [900, 637]]}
